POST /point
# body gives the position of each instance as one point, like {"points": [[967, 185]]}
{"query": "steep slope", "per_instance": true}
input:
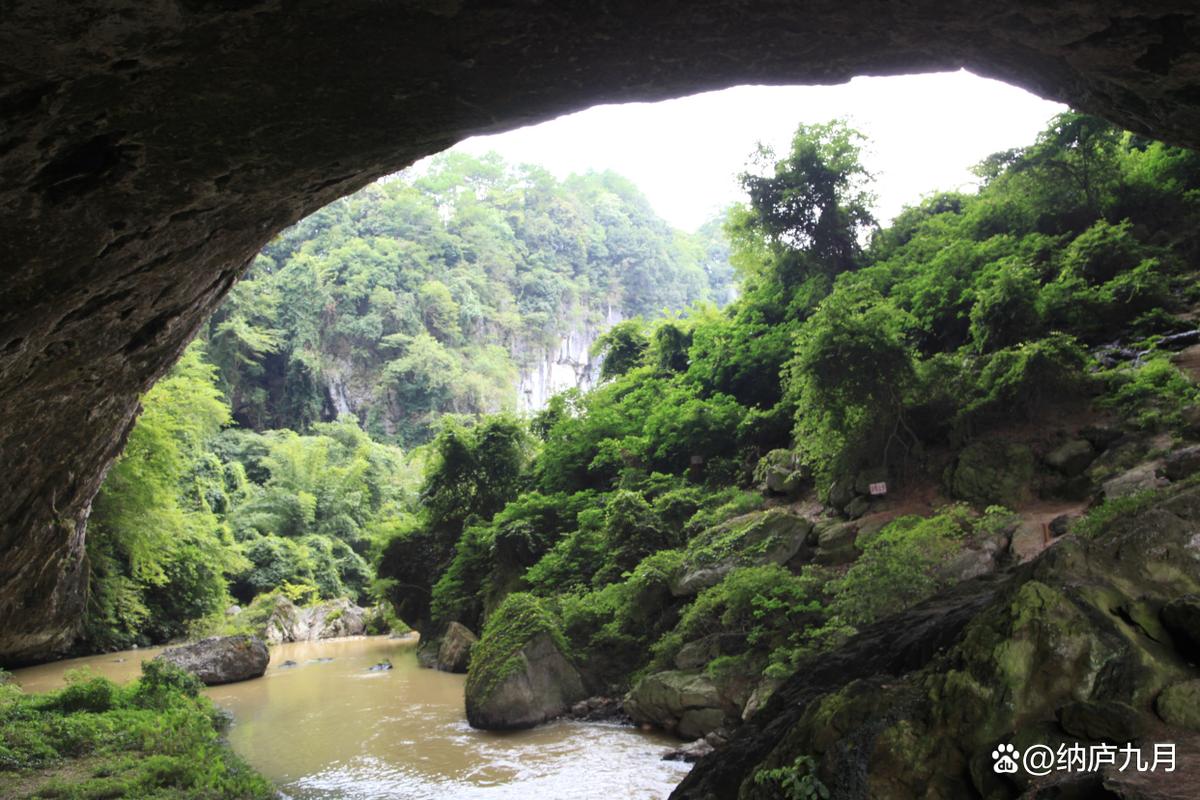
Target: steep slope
{"points": [[1077, 645]]}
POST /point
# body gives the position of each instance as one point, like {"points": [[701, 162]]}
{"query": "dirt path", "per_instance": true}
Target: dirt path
{"points": [[1033, 534]]}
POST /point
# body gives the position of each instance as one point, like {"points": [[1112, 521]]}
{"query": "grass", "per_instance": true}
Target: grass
{"points": [[157, 738]]}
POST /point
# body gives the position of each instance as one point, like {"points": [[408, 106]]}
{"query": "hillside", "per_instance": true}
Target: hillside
{"points": [[469, 286], [1003, 366]]}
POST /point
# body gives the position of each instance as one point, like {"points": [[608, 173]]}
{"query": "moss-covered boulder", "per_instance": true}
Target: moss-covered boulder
{"points": [[780, 472], [519, 674], [1179, 705], [836, 542], [773, 536], [992, 472], [685, 702]]}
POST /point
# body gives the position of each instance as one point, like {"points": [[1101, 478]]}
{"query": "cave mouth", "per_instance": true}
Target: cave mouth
{"points": [[146, 160]]}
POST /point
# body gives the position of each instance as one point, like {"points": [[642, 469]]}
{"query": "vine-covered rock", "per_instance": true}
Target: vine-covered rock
{"points": [[773, 536], [992, 473], [519, 674]]}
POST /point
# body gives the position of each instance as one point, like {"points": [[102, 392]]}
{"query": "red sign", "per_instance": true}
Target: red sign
{"points": [[878, 488]]}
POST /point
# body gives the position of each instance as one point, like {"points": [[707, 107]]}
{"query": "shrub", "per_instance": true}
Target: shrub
{"points": [[157, 738], [852, 369], [1006, 312], [611, 629], [1151, 396], [768, 605], [1019, 381]]}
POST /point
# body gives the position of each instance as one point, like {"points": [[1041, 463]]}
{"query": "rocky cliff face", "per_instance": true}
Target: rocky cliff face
{"points": [[150, 150], [571, 366]]}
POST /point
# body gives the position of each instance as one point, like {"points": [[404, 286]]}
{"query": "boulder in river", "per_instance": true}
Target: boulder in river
{"points": [[221, 659], [519, 676], [454, 652]]}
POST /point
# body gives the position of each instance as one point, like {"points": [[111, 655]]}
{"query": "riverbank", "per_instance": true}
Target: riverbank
{"points": [[319, 724]]}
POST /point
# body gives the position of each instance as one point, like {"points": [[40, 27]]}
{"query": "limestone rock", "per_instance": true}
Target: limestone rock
{"points": [[835, 542], [934, 689], [454, 652], [690, 752], [758, 698], [1182, 463], [1138, 479], [544, 686], [221, 659], [857, 507], [1120, 457], [327, 620], [599, 709], [841, 493], [781, 472], [969, 563], [1071, 458]]}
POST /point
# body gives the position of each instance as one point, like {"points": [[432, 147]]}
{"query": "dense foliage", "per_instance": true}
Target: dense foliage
{"points": [[427, 293], [193, 518], [853, 350], [156, 738]]}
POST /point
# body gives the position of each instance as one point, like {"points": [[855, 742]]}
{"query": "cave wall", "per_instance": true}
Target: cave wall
{"points": [[148, 148]]}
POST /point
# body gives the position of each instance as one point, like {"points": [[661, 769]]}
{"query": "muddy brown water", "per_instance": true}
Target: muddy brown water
{"points": [[329, 728]]}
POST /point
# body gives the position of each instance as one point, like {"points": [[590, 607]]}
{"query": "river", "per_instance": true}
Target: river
{"points": [[328, 728]]}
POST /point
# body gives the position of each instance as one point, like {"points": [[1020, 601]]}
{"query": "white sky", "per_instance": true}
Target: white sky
{"points": [[926, 132]]}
